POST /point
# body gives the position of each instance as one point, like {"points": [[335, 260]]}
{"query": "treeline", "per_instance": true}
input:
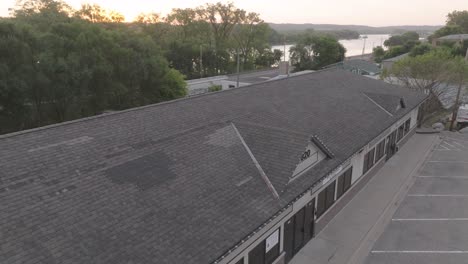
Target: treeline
{"points": [[457, 23], [59, 64], [294, 36]]}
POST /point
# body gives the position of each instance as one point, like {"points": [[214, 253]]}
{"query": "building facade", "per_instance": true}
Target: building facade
{"points": [[278, 241]]}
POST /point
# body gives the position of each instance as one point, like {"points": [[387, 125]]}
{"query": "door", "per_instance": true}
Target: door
{"points": [[289, 239], [299, 230], [309, 222], [391, 145]]}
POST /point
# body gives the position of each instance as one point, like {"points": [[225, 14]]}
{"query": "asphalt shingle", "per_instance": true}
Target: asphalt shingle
{"points": [[172, 182]]}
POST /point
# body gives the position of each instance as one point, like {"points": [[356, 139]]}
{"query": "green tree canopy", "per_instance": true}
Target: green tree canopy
{"points": [[313, 52], [73, 68], [458, 18]]}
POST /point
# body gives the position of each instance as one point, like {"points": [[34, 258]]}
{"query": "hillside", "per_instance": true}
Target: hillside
{"points": [[359, 28]]}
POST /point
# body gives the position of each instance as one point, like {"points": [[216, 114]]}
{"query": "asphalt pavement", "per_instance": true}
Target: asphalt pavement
{"points": [[352, 233], [430, 225]]}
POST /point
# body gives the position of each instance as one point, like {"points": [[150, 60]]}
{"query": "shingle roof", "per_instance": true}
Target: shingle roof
{"points": [[255, 76], [397, 58], [455, 37], [357, 64], [173, 182]]}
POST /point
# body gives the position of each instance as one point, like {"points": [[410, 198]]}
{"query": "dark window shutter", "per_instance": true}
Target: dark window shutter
{"points": [[348, 178], [340, 189], [257, 255], [321, 202], [330, 195]]}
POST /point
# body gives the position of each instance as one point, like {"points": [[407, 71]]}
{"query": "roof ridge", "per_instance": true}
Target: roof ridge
{"points": [[381, 107], [322, 146], [270, 186], [27, 131]]}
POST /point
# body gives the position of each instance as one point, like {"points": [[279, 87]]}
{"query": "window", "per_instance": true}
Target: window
{"points": [[407, 126], [326, 198], [401, 132], [380, 150], [368, 161], [344, 183]]}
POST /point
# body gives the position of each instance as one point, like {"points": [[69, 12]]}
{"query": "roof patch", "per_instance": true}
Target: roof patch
{"points": [[144, 172]]}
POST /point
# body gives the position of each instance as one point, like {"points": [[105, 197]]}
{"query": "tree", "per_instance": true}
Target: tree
{"points": [[24, 8], [249, 34], [97, 14], [401, 40], [149, 18], [428, 73], [459, 69], [445, 31], [395, 51], [420, 49], [314, 52], [222, 18], [458, 18], [378, 54], [54, 67]]}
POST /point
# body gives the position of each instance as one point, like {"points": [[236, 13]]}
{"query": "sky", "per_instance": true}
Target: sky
{"points": [[360, 12]]}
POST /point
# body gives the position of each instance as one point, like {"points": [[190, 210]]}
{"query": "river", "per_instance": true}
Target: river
{"points": [[353, 46]]}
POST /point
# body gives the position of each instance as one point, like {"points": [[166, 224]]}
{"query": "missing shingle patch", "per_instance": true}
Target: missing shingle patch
{"points": [[145, 172]]}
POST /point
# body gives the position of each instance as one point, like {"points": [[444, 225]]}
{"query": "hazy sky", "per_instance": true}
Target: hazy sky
{"points": [[363, 12]]}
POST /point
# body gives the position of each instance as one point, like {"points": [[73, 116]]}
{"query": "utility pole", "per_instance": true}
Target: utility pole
{"points": [[364, 47], [238, 68], [201, 62], [461, 79], [284, 47], [456, 106]]}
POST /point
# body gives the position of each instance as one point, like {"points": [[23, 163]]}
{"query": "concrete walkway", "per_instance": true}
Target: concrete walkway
{"points": [[349, 237]]}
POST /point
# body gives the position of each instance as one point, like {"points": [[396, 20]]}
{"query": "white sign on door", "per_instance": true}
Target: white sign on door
{"points": [[272, 241]]}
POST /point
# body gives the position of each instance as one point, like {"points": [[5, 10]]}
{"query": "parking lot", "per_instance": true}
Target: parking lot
{"points": [[431, 223]]}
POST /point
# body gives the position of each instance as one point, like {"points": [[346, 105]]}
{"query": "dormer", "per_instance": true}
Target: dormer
{"points": [[315, 152]]}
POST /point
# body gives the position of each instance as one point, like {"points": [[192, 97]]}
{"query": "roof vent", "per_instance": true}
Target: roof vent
{"points": [[402, 103]]}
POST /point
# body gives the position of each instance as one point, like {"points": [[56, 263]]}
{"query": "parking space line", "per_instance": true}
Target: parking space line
{"points": [[450, 145], [437, 195], [446, 161], [443, 177], [429, 219], [418, 252], [460, 145], [444, 147], [461, 140]]}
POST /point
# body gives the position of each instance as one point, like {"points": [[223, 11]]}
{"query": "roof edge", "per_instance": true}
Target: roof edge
{"points": [[22, 132]]}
